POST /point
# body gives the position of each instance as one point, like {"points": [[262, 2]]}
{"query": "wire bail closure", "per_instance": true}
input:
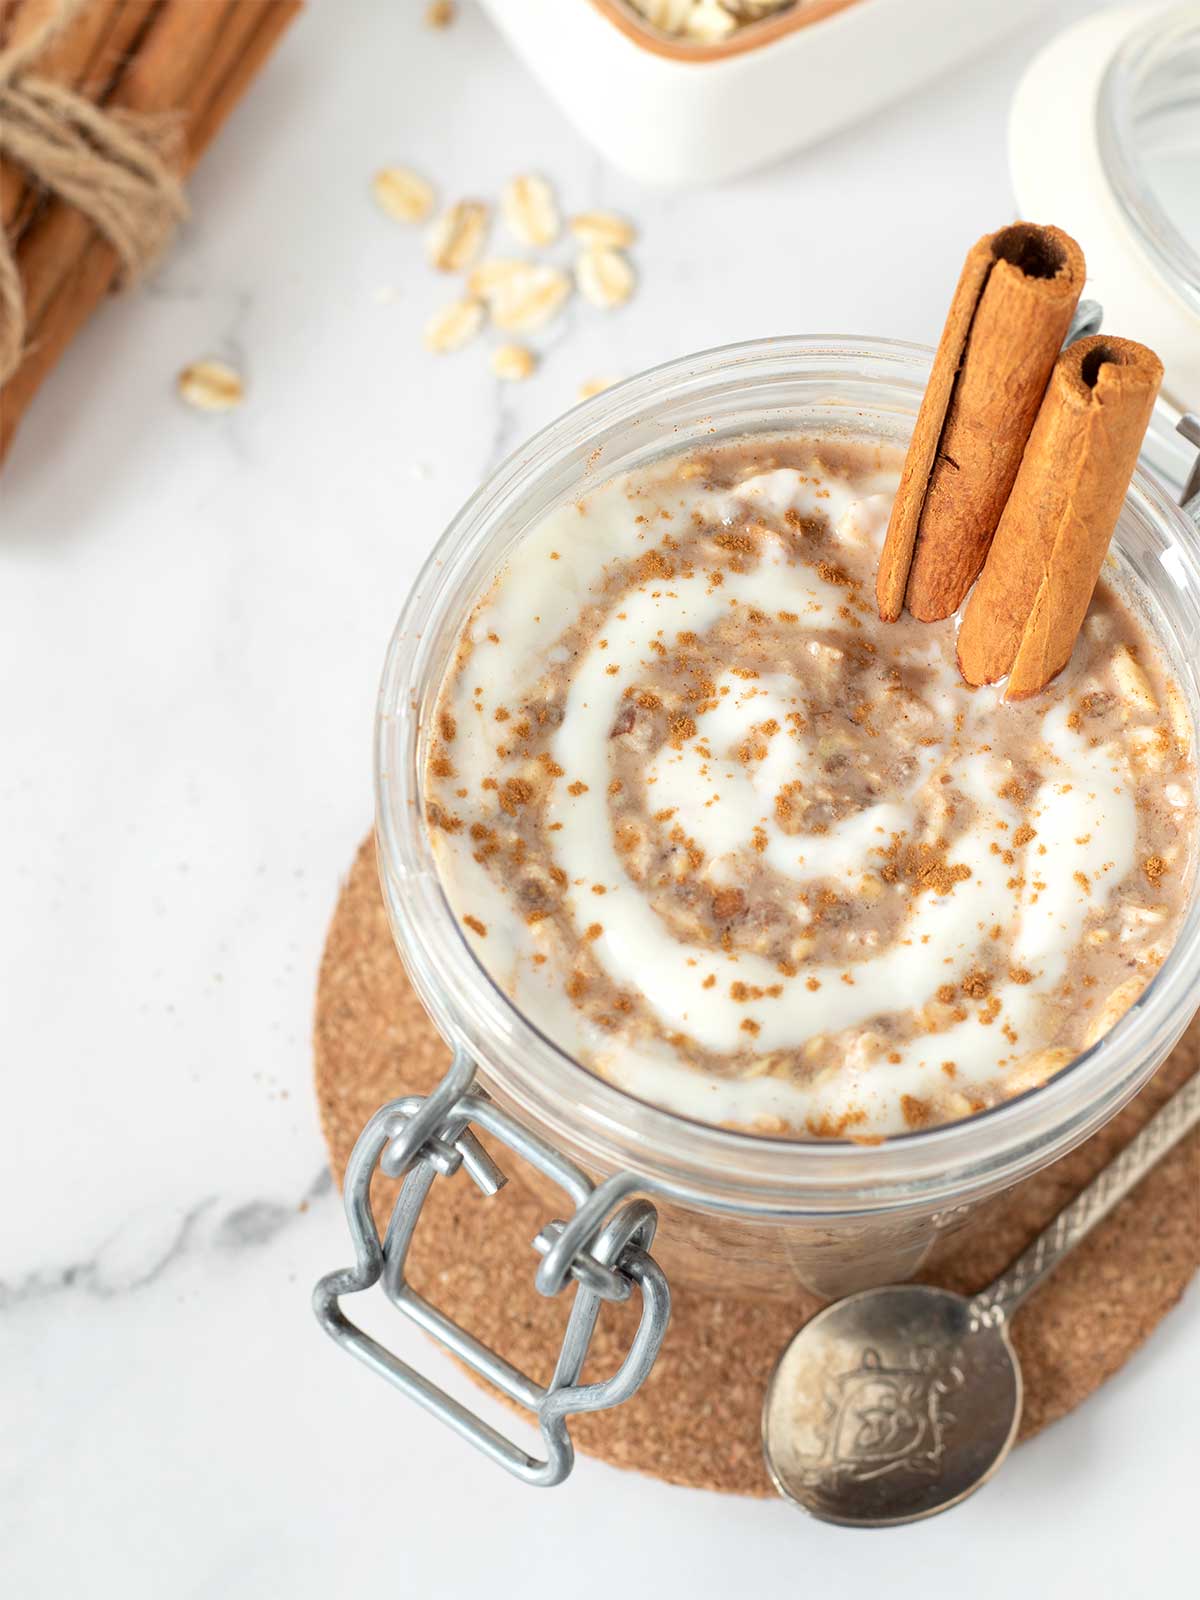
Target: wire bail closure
{"points": [[603, 1249]]}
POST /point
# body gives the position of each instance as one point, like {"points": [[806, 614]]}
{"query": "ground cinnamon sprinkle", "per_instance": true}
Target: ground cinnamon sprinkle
{"points": [[577, 788], [1154, 867], [750, 1026], [976, 985], [1020, 975], [916, 1112], [1024, 834], [923, 867]]}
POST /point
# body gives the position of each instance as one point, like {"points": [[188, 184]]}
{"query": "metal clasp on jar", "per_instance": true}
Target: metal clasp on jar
{"points": [[603, 1250]]}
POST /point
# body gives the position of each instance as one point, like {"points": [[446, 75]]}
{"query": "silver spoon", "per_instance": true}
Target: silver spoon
{"points": [[897, 1403]]}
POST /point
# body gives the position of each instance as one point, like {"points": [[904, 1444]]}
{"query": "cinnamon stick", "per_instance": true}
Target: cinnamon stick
{"points": [[1010, 313], [186, 64], [1027, 608], [66, 60]]}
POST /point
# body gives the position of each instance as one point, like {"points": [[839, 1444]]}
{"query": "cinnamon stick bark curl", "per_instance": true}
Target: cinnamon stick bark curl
{"points": [[1009, 316], [1027, 608]]}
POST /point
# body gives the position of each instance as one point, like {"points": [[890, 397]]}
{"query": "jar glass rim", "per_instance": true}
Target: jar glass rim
{"points": [[715, 1166]]}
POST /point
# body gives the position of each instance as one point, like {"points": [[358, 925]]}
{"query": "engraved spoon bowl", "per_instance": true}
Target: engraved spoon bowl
{"points": [[897, 1403]]}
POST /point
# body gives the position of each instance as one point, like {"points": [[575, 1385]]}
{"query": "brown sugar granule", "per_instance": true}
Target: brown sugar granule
{"points": [[1154, 867], [682, 727], [648, 701], [1082, 879], [551, 766], [741, 542], [599, 888], [750, 1026], [577, 985], [947, 993], [917, 1113], [476, 926], [759, 840], [977, 985], [1020, 975], [448, 727], [895, 1057], [577, 788], [441, 768], [595, 929], [1024, 834], [710, 981], [812, 983], [789, 616], [501, 713], [950, 1068]]}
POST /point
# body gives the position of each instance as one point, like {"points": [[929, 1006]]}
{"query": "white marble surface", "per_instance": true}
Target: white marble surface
{"points": [[193, 613]]}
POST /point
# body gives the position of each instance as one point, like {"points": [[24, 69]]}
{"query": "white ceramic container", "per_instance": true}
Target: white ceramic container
{"points": [[670, 113]]}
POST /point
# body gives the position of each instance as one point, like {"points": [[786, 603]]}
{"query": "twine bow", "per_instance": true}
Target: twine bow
{"points": [[108, 165]]}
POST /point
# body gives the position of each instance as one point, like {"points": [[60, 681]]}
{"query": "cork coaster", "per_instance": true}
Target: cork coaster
{"points": [[696, 1421]]}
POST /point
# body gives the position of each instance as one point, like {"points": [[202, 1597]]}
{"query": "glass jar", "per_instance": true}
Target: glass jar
{"points": [[740, 1211]]}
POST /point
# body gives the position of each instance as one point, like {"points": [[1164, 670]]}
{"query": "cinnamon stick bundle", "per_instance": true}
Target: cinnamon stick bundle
{"points": [[1037, 583], [1009, 316], [181, 61]]}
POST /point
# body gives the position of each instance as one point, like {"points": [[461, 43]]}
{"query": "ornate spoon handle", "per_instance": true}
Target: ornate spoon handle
{"points": [[1001, 1298]]}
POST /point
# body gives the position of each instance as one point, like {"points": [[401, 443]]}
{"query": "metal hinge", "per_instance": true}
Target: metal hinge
{"points": [[603, 1251]]}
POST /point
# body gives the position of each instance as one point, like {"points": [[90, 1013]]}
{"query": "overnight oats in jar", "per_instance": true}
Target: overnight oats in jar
{"points": [[753, 855], [723, 882]]}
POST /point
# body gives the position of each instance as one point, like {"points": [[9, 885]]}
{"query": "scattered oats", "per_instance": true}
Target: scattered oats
{"points": [[211, 386], [604, 277], [513, 362], [529, 210], [403, 194], [453, 326], [484, 280], [457, 236], [529, 299], [603, 228], [594, 386], [440, 13]]}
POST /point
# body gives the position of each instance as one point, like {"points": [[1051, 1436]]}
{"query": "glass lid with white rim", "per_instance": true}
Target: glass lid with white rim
{"points": [[1104, 136]]}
